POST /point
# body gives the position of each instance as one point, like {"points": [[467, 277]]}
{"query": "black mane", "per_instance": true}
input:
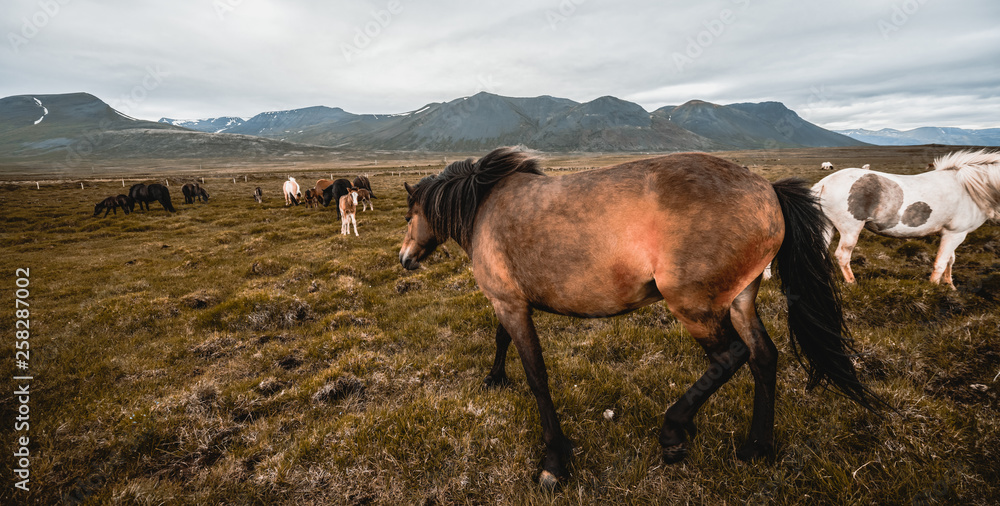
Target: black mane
{"points": [[450, 199]]}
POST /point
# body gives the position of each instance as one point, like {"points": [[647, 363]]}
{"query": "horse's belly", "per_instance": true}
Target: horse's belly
{"points": [[597, 301], [905, 232]]}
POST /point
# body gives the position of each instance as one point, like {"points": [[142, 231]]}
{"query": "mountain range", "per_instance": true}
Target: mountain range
{"points": [[926, 135], [77, 125], [546, 123]]}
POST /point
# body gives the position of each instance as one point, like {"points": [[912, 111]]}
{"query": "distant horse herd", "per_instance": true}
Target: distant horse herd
{"points": [[346, 194]]}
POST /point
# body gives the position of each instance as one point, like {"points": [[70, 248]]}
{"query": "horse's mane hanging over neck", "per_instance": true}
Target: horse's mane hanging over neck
{"points": [[979, 172], [450, 199]]}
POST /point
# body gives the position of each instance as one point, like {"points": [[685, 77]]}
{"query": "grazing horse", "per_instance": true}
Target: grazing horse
{"points": [[192, 191], [144, 194], [107, 205], [959, 195], [698, 236], [348, 206], [136, 192], [291, 191], [312, 198], [363, 182], [334, 190], [258, 195], [125, 202], [365, 197]]}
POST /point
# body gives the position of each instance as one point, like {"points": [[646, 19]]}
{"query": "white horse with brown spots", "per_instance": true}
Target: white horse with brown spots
{"points": [[957, 197], [348, 208]]}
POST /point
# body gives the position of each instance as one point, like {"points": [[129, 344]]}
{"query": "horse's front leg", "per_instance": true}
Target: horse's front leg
{"points": [[498, 374], [848, 240], [558, 449]]}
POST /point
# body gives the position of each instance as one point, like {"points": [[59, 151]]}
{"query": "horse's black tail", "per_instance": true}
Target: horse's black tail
{"points": [[815, 315], [165, 200]]}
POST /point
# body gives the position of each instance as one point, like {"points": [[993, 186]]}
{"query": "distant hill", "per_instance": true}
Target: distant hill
{"points": [[32, 124], [926, 135], [750, 126], [70, 127]]}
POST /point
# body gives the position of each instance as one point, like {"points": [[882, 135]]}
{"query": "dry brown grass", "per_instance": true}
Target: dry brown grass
{"points": [[244, 353]]}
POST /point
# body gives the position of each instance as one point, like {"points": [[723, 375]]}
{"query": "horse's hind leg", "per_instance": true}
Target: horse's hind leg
{"points": [[498, 374], [714, 331], [763, 360]]}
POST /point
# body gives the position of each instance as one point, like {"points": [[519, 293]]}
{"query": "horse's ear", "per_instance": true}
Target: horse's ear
{"points": [[409, 189]]}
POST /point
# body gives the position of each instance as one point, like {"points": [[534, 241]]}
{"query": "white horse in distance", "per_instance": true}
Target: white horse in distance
{"points": [[291, 191]]}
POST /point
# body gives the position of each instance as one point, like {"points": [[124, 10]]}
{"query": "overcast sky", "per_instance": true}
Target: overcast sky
{"points": [[843, 64]]}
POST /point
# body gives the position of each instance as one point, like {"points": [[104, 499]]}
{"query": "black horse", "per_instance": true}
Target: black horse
{"points": [[144, 194], [332, 193], [135, 193], [107, 205], [192, 191], [363, 182], [125, 202]]}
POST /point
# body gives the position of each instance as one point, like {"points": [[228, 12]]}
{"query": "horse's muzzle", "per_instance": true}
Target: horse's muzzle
{"points": [[409, 263]]}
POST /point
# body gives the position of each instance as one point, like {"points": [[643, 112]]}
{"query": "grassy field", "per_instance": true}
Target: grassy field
{"points": [[241, 353]]}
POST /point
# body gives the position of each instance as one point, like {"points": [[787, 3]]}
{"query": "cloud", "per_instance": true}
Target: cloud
{"points": [[901, 63]]}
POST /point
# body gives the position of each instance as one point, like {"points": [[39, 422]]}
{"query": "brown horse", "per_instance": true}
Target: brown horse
{"points": [[698, 236], [363, 182], [348, 207], [365, 197], [312, 198]]}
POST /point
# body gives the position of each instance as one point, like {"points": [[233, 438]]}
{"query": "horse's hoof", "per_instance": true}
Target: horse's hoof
{"points": [[496, 382], [674, 453], [751, 451], [548, 481]]}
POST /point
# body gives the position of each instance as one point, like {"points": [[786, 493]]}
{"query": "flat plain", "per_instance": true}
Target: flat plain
{"points": [[244, 353]]}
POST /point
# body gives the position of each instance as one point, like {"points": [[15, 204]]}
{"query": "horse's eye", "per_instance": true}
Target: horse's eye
{"points": [[408, 218]]}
